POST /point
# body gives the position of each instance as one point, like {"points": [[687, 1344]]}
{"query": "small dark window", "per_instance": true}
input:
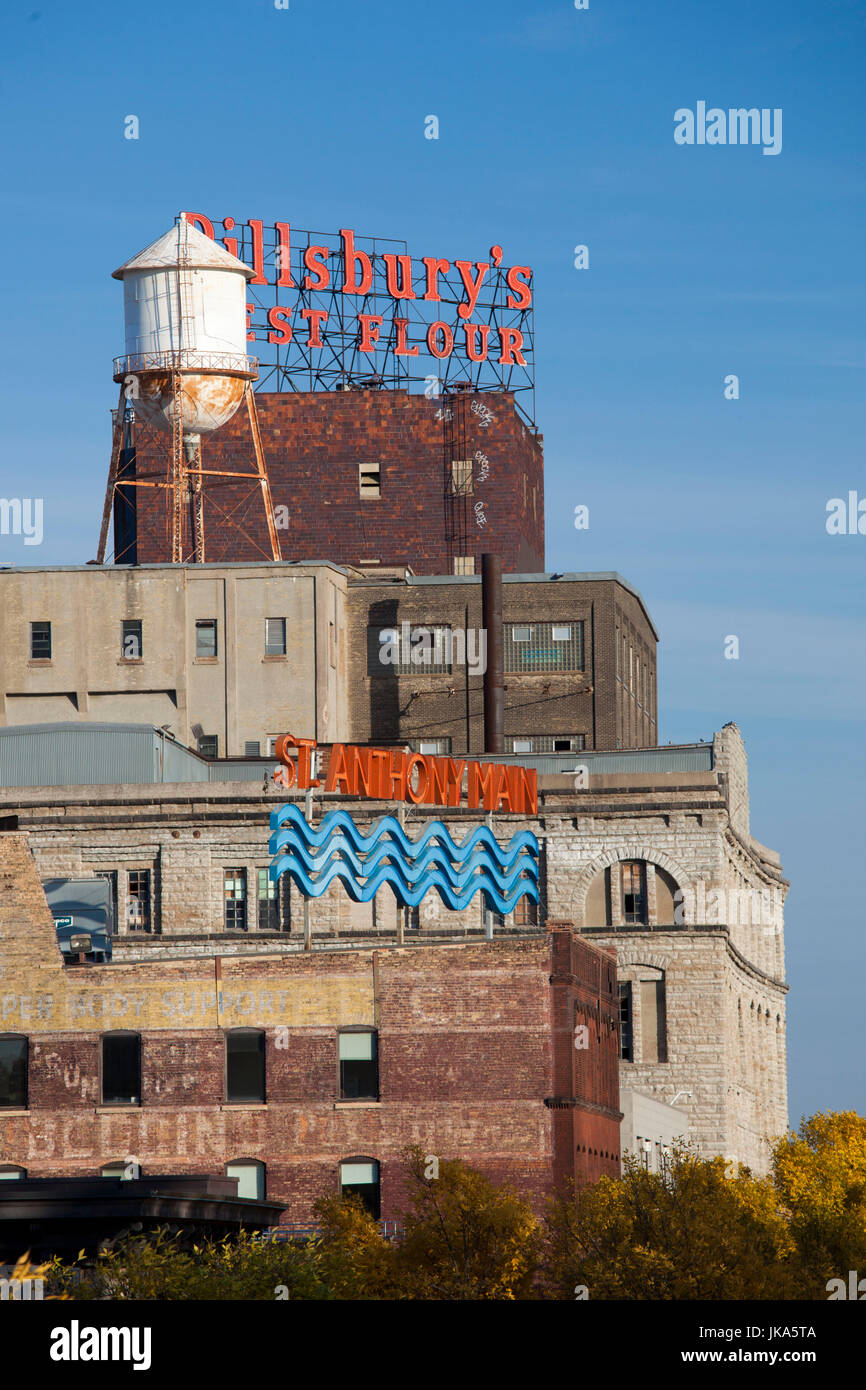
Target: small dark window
{"points": [[121, 1069], [413, 918], [245, 1066], [130, 639], [275, 636], [13, 1073], [625, 1023], [40, 641], [359, 1177], [206, 638], [208, 745], [359, 1066], [236, 899]]}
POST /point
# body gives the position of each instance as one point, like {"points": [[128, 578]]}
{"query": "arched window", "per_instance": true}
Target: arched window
{"points": [[359, 1177], [245, 1066], [620, 896], [250, 1174], [14, 1055], [121, 1068], [126, 1168]]}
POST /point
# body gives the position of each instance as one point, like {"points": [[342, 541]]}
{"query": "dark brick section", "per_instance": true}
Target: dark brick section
{"points": [[477, 1061], [314, 443], [419, 706]]}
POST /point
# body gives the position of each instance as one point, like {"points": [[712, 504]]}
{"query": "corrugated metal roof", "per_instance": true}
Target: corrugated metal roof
{"points": [[200, 253], [99, 754]]}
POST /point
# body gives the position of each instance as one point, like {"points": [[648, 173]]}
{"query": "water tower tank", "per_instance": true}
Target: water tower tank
{"points": [[184, 300]]}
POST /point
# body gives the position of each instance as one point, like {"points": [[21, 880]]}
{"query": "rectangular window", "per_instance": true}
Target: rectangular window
{"points": [[275, 636], [138, 900], [546, 743], [464, 564], [245, 1066], [111, 876], [252, 748], [537, 647], [440, 747], [625, 1033], [235, 899], [13, 1073], [40, 641], [269, 903], [412, 918], [121, 1069], [411, 651], [359, 1066], [130, 639], [461, 478], [652, 1021], [369, 480], [271, 745], [526, 913], [205, 639], [616, 649], [208, 745], [633, 891]]}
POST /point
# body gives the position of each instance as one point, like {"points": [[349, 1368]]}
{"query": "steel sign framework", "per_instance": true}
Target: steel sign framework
{"points": [[337, 310]]}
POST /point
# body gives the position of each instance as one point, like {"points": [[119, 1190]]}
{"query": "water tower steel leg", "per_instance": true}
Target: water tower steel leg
{"points": [[111, 487], [196, 507], [262, 471], [178, 469]]}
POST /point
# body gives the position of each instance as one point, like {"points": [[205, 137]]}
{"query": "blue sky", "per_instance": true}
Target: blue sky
{"points": [[556, 129]]}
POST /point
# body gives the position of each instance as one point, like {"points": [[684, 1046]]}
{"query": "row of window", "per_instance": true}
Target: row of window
{"points": [[358, 1176], [461, 482], [436, 648], [132, 639], [271, 910], [245, 1072]]}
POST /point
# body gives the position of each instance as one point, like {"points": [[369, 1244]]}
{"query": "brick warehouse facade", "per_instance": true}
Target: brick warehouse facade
{"points": [[400, 508], [608, 699], [639, 860], [476, 1049]]}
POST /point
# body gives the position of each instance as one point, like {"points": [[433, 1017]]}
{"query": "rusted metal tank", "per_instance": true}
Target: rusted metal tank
{"points": [[185, 312]]}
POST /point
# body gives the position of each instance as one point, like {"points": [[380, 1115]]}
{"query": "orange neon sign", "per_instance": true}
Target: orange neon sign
{"points": [[424, 779]]}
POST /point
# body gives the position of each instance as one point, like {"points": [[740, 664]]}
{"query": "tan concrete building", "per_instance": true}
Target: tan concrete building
{"points": [[224, 657]]}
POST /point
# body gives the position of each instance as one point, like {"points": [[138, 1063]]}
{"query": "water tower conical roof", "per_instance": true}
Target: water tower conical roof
{"points": [[199, 253]]}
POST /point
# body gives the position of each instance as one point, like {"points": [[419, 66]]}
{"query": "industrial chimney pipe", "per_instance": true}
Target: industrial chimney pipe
{"points": [[491, 617]]}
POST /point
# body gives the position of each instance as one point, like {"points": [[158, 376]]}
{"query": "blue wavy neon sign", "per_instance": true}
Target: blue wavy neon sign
{"points": [[337, 849]]}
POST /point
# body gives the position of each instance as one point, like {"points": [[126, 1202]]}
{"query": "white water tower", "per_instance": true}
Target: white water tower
{"points": [[186, 368]]}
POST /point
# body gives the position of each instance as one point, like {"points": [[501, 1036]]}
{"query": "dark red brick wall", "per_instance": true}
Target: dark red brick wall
{"points": [[313, 443], [477, 1061]]}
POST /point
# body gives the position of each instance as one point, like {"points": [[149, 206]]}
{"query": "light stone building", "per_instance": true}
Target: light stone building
{"points": [[223, 657], [635, 856]]}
